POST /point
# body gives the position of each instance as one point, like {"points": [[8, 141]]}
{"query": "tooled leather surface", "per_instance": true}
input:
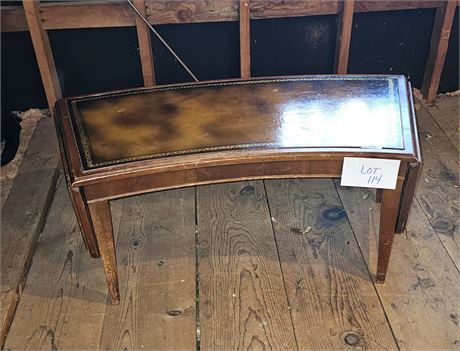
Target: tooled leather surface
{"points": [[275, 113]]}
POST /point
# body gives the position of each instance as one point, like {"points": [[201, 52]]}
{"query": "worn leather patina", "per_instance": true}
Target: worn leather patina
{"points": [[306, 112]]}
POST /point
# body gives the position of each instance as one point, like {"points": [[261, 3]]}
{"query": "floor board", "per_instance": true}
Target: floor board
{"points": [[446, 114], [63, 303], [23, 216], [333, 301], [438, 189], [156, 264], [243, 303], [422, 285], [282, 264]]}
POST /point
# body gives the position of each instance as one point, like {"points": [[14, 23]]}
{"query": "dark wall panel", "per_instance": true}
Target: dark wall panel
{"points": [[299, 45], [210, 50], [22, 87], [394, 42], [96, 60]]}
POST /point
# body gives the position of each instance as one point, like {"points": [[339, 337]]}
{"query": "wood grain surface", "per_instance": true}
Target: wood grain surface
{"points": [[419, 296], [156, 255], [438, 190], [63, 303], [243, 303], [108, 13], [446, 114], [23, 216], [332, 297]]}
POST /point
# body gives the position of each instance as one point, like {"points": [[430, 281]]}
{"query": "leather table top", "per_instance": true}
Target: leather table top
{"points": [[299, 112]]}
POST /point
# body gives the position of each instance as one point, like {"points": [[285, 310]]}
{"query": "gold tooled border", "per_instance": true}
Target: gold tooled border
{"points": [[85, 144]]}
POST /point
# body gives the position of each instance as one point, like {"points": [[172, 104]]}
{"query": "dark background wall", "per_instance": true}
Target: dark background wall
{"points": [[95, 60]]}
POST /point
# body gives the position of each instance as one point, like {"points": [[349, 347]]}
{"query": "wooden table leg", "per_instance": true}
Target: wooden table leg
{"points": [[102, 224], [408, 192], [84, 221], [378, 196], [388, 217]]}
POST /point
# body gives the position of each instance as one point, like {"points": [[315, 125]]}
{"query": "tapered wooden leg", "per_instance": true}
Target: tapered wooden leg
{"points": [[408, 193], [378, 196], [102, 224], [388, 217], [84, 221]]}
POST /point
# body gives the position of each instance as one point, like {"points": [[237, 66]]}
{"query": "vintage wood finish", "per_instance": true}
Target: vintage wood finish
{"points": [[102, 224], [77, 196], [414, 170], [388, 218], [227, 131], [79, 204], [378, 196], [268, 126]]}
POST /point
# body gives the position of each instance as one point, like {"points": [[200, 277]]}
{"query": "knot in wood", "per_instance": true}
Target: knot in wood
{"points": [[352, 339], [185, 13], [174, 313]]}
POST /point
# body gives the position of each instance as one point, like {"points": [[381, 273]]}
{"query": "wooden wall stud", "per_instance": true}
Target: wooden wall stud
{"points": [[245, 41], [43, 52], [145, 45], [438, 49], [344, 26]]}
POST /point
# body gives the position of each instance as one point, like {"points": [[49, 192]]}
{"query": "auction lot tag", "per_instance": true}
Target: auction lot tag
{"points": [[370, 172]]}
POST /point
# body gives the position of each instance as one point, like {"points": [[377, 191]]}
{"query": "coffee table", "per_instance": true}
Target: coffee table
{"points": [[135, 141]]}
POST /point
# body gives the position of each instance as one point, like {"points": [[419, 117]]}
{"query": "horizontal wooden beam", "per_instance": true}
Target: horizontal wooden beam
{"points": [[99, 14], [74, 15]]}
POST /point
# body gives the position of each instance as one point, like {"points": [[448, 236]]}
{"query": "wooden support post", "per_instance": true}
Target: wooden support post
{"points": [[145, 45], [245, 42], [43, 52], [344, 25], [438, 49]]}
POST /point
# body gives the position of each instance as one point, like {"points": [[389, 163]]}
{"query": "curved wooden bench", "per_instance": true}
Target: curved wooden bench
{"points": [[136, 141]]}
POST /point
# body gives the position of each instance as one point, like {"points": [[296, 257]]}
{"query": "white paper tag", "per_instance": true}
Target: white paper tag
{"points": [[370, 172]]}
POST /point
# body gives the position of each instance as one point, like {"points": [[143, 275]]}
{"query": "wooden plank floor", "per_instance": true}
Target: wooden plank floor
{"points": [[279, 264]]}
